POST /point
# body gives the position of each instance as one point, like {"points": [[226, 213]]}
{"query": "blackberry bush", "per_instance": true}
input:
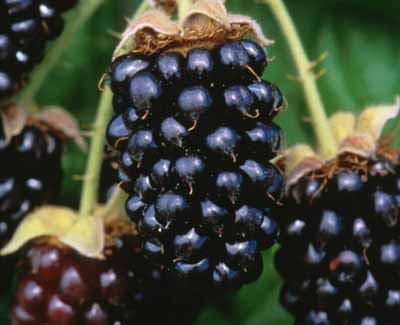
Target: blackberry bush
{"points": [[194, 132], [340, 233], [25, 29], [194, 137]]}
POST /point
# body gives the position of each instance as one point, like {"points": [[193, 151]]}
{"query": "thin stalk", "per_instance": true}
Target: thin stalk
{"points": [[91, 181], [183, 8], [85, 10], [315, 106]]}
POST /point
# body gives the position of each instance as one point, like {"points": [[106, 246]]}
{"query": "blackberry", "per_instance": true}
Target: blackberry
{"points": [[340, 243], [25, 28], [30, 176], [194, 156], [57, 285]]}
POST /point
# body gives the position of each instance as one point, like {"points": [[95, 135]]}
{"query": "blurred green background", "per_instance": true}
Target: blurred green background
{"points": [[363, 67]]}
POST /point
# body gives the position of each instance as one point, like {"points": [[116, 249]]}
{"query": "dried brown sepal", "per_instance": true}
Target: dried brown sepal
{"points": [[115, 230], [368, 130], [254, 26], [360, 140], [373, 119], [170, 7], [204, 12], [61, 122], [359, 144], [206, 25], [85, 235], [344, 162], [146, 30], [13, 119]]}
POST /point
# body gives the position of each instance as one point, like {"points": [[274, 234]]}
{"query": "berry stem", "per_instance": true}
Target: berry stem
{"points": [[85, 10], [92, 176], [183, 8], [91, 181], [307, 78]]}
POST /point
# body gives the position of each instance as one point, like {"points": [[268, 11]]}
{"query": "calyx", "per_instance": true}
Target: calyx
{"points": [[14, 118], [358, 138], [206, 25]]}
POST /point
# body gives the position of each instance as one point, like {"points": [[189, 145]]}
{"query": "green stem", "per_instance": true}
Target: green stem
{"points": [[85, 10], [91, 181], [92, 175], [316, 108], [183, 8]]}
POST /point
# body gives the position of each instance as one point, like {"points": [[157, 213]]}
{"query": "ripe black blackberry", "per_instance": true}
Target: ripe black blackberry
{"points": [[25, 28], [340, 239], [30, 175], [195, 135]]}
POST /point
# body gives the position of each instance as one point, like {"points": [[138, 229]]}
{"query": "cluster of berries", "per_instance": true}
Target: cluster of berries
{"points": [[195, 136], [192, 143], [25, 28], [340, 245]]}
